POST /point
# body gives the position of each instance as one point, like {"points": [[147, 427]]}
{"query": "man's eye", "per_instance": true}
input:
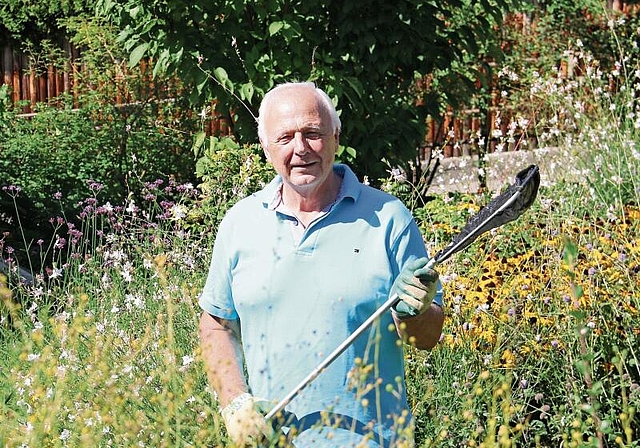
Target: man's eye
{"points": [[313, 135]]}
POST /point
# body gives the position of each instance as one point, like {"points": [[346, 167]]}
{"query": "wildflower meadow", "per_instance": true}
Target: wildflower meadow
{"points": [[541, 344]]}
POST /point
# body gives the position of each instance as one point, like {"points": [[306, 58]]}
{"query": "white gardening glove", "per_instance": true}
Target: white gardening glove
{"points": [[244, 419], [416, 288]]}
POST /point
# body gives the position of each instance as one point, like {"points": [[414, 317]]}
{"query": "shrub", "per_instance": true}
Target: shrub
{"points": [[228, 172]]}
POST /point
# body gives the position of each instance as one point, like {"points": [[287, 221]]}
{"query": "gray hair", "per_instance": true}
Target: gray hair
{"points": [[322, 96]]}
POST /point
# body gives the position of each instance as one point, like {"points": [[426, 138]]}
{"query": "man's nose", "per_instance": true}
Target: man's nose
{"points": [[300, 143]]}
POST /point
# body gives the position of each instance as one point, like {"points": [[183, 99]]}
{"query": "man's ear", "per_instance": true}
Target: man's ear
{"points": [[266, 152]]}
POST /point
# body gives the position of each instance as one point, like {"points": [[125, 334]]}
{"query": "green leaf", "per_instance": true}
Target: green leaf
{"points": [[570, 252], [221, 75], [247, 90], [275, 27], [198, 141], [133, 12], [137, 54]]}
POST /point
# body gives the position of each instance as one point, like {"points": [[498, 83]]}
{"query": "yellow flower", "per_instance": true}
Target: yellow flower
{"points": [[509, 359]]}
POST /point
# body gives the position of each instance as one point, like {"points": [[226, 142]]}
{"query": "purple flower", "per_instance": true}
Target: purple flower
{"points": [[60, 243], [12, 190], [184, 187], [95, 186], [57, 195]]}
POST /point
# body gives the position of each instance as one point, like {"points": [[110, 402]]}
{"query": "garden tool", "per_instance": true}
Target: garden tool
{"points": [[504, 208]]}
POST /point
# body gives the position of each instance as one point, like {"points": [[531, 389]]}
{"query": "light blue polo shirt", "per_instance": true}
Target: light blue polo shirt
{"points": [[300, 297]]}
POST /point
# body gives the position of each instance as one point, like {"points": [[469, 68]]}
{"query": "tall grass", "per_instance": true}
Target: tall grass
{"points": [[541, 342], [101, 350]]}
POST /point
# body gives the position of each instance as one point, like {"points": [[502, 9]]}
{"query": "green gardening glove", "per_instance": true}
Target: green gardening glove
{"points": [[416, 288]]}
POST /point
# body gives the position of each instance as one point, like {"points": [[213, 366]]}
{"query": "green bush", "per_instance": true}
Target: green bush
{"points": [[56, 152], [228, 172]]}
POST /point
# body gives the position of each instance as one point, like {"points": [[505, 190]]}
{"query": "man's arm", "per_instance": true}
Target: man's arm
{"points": [[422, 331], [222, 355]]}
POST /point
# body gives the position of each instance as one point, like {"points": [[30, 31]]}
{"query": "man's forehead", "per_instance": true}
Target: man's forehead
{"points": [[284, 119]]}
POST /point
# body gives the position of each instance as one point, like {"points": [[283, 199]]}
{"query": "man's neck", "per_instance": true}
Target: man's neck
{"points": [[309, 200]]}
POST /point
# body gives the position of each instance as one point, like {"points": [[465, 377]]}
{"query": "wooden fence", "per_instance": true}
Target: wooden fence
{"points": [[36, 84], [31, 84]]}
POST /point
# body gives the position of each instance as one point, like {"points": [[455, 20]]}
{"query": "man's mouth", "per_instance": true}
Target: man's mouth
{"points": [[303, 165]]}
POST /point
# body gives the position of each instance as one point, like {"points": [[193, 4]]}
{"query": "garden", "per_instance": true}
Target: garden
{"points": [[109, 214]]}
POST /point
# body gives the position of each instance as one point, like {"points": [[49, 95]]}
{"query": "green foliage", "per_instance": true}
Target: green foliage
{"points": [[116, 131], [228, 172], [59, 150], [110, 346], [538, 346], [367, 56], [31, 21]]}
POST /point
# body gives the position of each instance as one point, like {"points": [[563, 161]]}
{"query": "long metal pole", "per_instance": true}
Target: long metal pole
{"points": [[391, 301], [441, 256]]}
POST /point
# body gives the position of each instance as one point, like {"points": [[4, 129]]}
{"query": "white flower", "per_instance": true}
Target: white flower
{"points": [[127, 269], [131, 208], [178, 212]]}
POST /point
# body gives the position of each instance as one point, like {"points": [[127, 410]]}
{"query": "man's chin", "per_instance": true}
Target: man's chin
{"points": [[304, 180]]}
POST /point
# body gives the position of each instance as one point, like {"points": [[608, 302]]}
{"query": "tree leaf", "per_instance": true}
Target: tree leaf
{"points": [[275, 27], [137, 54], [247, 90], [221, 75]]}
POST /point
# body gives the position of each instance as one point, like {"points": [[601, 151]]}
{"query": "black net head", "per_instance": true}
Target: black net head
{"points": [[528, 180], [506, 207]]}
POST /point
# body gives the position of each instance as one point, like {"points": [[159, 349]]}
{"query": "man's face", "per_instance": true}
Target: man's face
{"points": [[301, 144]]}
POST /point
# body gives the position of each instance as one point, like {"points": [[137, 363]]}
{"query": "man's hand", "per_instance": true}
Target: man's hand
{"points": [[416, 288], [244, 419]]}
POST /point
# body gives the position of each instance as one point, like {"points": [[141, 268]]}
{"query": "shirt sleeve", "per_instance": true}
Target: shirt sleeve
{"points": [[216, 297]]}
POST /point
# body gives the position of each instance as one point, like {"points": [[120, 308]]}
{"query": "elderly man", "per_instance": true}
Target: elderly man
{"points": [[296, 268]]}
